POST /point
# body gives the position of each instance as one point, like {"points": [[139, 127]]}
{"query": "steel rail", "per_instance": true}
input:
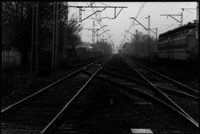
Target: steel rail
{"points": [[147, 84], [163, 94], [15, 106], [52, 124], [167, 78], [147, 97]]}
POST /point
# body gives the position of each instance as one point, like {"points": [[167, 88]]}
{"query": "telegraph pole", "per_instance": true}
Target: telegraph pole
{"points": [[56, 38], [98, 32], [53, 42], [148, 44], [65, 31], [32, 44], [80, 14], [36, 38], [93, 32], [136, 38], [148, 25], [148, 36], [156, 33], [149, 29]]}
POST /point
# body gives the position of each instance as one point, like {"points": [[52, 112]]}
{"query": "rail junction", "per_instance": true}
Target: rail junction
{"points": [[115, 94]]}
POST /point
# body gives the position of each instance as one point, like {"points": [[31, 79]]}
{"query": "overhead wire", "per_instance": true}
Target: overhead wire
{"points": [[153, 9], [165, 29], [101, 24], [133, 21], [187, 4], [95, 14], [105, 4], [162, 25], [173, 24], [168, 27]]}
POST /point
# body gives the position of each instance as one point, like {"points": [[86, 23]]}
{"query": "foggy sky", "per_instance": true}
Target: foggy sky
{"points": [[123, 22]]}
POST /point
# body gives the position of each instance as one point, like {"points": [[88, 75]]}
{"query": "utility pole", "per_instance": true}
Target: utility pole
{"points": [[140, 24], [36, 38], [148, 44], [53, 43], [32, 44], [56, 37], [97, 36], [98, 31], [136, 44], [93, 32], [156, 33], [80, 14], [148, 24], [149, 29], [67, 25], [65, 31], [65, 20]]}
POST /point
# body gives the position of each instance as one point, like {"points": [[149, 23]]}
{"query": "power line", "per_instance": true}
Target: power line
{"points": [[187, 4], [133, 21], [168, 27], [172, 16], [101, 25], [165, 21], [172, 24], [153, 9], [104, 3]]}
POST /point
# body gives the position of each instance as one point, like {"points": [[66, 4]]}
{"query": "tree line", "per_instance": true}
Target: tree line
{"points": [[18, 28], [141, 45]]}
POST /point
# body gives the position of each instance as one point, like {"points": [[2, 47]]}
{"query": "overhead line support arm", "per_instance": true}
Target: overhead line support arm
{"points": [[90, 15], [139, 23], [98, 6], [115, 16], [104, 7], [171, 15]]}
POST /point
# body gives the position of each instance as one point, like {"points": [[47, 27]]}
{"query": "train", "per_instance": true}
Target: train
{"points": [[179, 44]]}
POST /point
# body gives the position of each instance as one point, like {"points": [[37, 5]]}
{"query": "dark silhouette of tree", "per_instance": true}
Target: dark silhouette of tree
{"points": [[102, 46], [17, 26]]}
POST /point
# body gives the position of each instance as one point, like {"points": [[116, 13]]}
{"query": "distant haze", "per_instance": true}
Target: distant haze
{"points": [[118, 26]]}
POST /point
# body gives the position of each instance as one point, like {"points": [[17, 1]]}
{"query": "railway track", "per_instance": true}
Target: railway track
{"points": [[169, 97], [162, 80], [32, 114], [116, 100], [104, 112], [175, 90]]}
